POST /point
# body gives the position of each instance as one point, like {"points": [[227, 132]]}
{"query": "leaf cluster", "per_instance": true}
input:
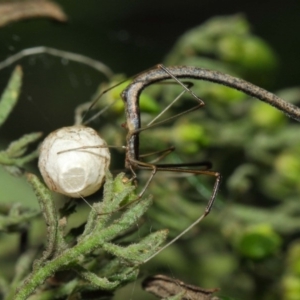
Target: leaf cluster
{"points": [[91, 257]]}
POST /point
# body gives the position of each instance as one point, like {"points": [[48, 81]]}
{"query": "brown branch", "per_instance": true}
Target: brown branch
{"points": [[20, 10], [163, 287]]}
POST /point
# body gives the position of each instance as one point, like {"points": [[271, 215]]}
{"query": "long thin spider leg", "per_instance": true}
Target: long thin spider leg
{"points": [[206, 212], [165, 109], [179, 168], [168, 119], [187, 86]]}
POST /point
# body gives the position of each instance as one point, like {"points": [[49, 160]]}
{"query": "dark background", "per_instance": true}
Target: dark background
{"points": [[128, 36]]}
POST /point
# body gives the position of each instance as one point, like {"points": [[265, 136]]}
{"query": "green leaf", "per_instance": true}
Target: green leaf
{"points": [[10, 95], [98, 237], [19, 147], [12, 157]]}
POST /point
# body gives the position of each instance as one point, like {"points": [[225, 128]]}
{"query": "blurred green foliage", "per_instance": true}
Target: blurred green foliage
{"points": [[244, 244], [227, 44], [249, 245]]}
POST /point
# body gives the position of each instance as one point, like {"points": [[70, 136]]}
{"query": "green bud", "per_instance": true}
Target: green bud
{"points": [[291, 288], [192, 136], [259, 242], [265, 115], [288, 166], [148, 104]]}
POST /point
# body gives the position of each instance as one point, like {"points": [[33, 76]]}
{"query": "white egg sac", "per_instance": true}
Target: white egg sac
{"points": [[73, 161]]}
